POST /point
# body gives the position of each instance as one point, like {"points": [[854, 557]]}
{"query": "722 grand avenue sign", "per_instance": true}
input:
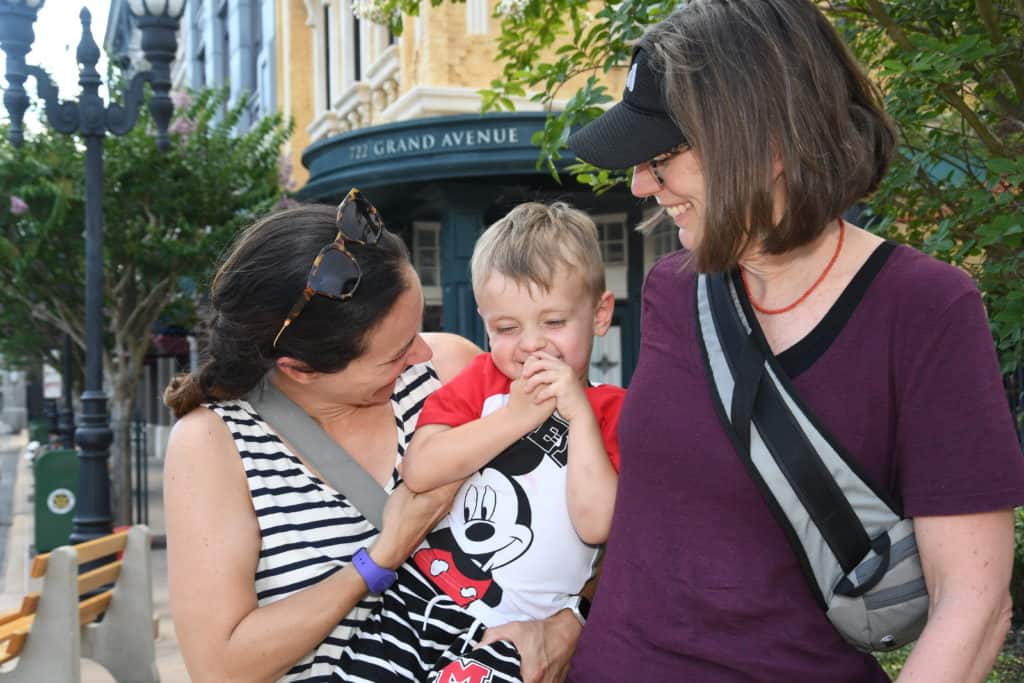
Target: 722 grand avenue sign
{"points": [[424, 150], [424, 142]]}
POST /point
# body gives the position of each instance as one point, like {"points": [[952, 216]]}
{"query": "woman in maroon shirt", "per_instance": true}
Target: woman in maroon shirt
{"points": [[750, 124]]}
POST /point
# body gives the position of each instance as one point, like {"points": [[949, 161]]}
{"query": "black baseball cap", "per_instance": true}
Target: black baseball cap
{"points": [[634, 130]]}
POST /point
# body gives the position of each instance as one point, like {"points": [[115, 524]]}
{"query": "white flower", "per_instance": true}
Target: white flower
{"points": [[511, 9], [375, 11]]}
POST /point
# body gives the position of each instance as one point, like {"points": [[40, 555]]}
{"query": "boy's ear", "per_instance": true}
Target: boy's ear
{"points": [[295, 370], [603, 313]]}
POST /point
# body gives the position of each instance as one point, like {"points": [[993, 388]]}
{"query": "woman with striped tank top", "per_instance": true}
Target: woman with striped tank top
{"points": [[260, 549]]}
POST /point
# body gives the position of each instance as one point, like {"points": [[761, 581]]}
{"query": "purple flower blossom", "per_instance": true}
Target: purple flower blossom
{"points": [[284, 173], [181, 126], [286, 203], [18, 205], [181, 99]]}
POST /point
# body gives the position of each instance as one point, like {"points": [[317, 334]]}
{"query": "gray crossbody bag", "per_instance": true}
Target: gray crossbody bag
{"points": [[332, 462], [857, 551]]}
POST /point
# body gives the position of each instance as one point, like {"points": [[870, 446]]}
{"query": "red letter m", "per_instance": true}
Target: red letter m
{"points": [[465, 671]]}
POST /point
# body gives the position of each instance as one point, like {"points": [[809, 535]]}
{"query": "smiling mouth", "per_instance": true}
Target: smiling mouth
{"points": [[676, 210]]}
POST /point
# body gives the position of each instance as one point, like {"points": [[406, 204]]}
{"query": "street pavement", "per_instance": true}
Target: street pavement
{"points": [[10, 451], [16, 537]]}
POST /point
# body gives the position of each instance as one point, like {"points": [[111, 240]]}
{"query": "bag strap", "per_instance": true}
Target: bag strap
{"points": [[825, 506], [332, 462]]}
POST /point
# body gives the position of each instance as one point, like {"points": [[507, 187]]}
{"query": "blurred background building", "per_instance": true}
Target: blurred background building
{"points": [[399, 117]]}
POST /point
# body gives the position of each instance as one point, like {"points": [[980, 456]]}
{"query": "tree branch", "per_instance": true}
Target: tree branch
{"points": [[146, 311], [117, 291], [945, 90], [42, 312], [1000, 102], [1013, 69]]}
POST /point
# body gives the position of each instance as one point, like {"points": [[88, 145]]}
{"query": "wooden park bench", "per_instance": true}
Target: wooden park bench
{"points": [[57, 626]]}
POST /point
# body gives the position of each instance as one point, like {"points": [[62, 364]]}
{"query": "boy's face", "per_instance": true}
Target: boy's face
{"points": [[522, 320]]}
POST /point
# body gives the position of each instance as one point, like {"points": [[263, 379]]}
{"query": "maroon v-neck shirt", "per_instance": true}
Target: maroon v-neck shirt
{"points": [[699, 583]]}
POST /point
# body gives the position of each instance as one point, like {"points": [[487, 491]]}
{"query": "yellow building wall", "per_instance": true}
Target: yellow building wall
{"points": [[446, 56], [434, 52], [295, 80]]}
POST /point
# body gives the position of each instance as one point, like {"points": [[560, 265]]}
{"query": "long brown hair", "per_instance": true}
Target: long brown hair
{"points": [[753, 83], [258, 282]]}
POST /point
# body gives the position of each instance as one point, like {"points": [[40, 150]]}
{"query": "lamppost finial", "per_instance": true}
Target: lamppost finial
{"points": [[88, 52], [16, 37]]}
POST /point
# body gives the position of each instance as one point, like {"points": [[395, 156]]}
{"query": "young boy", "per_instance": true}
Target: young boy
{"points": [[536, 446]]}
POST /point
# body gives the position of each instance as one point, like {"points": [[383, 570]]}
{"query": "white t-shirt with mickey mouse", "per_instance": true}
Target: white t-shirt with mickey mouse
{"points": [[507, 550]]}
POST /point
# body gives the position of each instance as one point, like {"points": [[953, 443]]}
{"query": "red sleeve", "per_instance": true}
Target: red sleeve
{"points": [[606, 400], [461, 400]]}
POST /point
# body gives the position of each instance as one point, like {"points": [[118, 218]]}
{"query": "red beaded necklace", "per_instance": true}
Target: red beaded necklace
{"points": [[786, 309]]}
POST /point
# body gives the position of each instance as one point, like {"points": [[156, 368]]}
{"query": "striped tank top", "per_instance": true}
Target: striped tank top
{"points": [[308, 530]]}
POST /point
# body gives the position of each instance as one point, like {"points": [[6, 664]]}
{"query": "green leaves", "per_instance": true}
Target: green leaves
{"points": [[951, 75], [166, 216], [956, 190]]}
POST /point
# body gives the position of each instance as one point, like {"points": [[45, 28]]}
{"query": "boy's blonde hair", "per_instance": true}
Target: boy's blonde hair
{"points": [[530, 243]]}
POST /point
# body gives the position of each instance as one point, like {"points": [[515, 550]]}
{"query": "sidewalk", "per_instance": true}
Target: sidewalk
{"points": [[16, 582]]}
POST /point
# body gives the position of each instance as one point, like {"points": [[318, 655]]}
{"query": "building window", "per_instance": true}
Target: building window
{"points": [[664, 239], [661, 240], [611, 232], [201, 68], [223, 34], [199, 44], [256, 26], [327, 56], [426, 252], [357, 52]]}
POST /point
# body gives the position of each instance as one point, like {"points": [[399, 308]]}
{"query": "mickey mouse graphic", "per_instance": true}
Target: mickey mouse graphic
{"points": [[489, 525]]}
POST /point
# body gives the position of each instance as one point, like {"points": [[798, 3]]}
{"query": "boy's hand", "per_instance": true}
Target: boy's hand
{"points": [[548, 377], [525, 405]]}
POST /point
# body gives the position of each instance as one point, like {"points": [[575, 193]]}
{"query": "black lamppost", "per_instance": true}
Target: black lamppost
{"points": [[92, 119], [66, 414]]}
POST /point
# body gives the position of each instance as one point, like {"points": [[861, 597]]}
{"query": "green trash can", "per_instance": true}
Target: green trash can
{"points": [[56, 473]]}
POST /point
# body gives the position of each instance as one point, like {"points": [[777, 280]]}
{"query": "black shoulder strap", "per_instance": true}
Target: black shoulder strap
{"points": [[782, 445], [332, 462]]}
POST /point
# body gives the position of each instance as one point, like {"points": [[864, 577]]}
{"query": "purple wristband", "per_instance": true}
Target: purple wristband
{"points": [[376, 577]]}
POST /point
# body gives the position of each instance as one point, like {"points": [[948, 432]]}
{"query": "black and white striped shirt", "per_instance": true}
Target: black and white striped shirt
{"points": [[308, 530]]}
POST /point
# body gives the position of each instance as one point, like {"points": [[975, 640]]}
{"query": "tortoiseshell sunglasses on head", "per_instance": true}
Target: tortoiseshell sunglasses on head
{"points": [[663, 157], [335, 273]]}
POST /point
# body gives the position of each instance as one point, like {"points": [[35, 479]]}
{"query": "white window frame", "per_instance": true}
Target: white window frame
{"points": [[603, 222], [664, 239], [346, 45], [616, 273], [431, 293], [324, 23], [477, 14]]}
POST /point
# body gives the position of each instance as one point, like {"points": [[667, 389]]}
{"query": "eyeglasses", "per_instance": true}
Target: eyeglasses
{"points": [[663, 157], [335, 273]]}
